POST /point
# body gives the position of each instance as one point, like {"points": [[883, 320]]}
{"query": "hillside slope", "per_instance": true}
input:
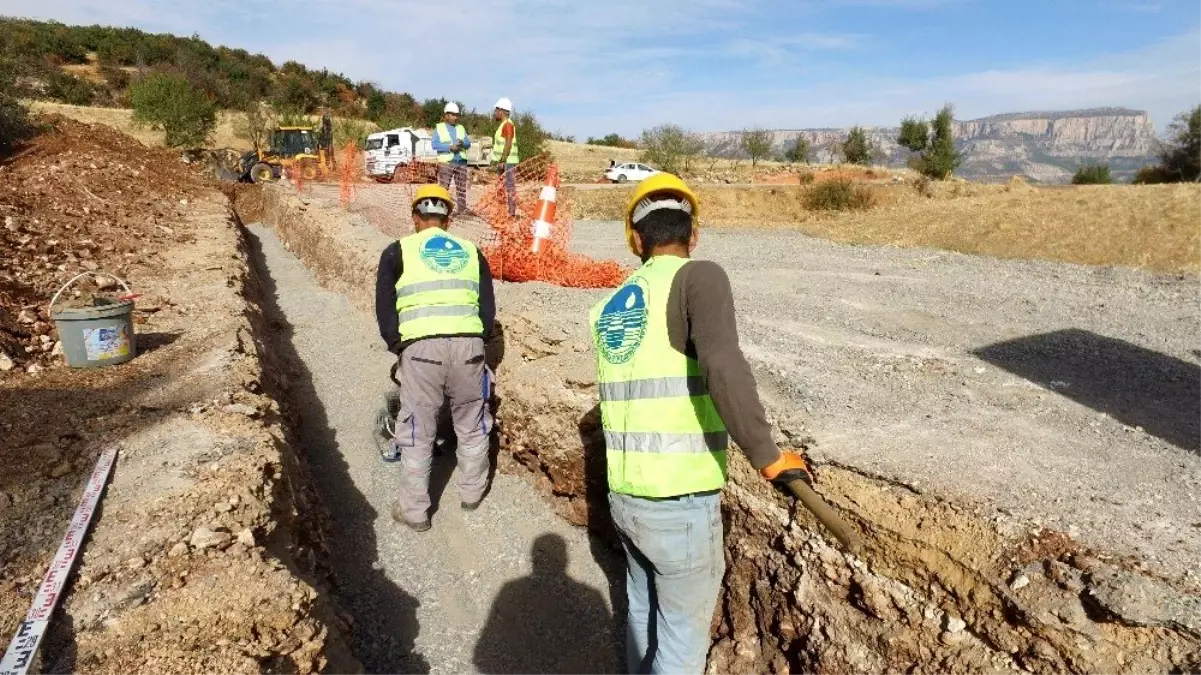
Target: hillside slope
{"points": [[1045, 147]]}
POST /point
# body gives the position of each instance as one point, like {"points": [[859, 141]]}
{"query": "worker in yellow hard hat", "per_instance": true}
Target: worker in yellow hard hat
{"points": [[435, 308], [673, 383]]}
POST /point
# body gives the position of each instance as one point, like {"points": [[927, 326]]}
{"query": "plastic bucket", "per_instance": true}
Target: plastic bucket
{"points": [[93, 337]]}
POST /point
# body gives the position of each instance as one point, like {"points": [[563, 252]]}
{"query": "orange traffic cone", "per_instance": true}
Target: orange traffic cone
{"points": [[545, 215]]}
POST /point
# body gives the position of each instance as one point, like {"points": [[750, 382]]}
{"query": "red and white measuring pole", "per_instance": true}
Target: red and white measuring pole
{"points": [[24, 646]]}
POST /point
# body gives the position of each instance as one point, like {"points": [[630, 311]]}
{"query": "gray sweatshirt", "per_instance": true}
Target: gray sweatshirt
{"points": [[701, 325]]}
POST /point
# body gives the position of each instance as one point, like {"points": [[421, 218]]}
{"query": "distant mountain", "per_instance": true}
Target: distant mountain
{"points": [[1044, 147]]}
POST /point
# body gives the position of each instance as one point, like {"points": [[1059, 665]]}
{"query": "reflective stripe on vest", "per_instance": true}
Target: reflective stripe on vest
{"points": [[442, 129], [657, 387], [498, 145], [663, 435], [652, 441], [440, 310], [438, 292], [440, 285]]}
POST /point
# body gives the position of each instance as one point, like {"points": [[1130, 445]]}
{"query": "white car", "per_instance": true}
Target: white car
{"points": [[620, 173]]}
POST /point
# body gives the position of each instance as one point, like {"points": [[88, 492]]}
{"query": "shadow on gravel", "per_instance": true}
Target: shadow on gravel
{"points": [[384, 616], [1136, 386], [546, 622], [602, 534]]}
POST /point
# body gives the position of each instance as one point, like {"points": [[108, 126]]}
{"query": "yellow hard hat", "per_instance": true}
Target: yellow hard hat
{"points": [[660, 183], [432, 191]]}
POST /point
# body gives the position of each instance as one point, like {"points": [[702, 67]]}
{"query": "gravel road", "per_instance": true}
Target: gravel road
{"points": [[510, 588], [1061, 394]]}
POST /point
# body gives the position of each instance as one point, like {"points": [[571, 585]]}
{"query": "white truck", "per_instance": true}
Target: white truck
{"points": [[388, 151]]}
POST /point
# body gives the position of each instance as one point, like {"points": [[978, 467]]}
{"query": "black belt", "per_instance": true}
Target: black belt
{"points": [[703, 493]]}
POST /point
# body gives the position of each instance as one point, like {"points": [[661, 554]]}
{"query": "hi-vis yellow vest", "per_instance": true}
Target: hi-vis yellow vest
{"points": [[438, 292], [663, 435], [498, 145], [442, 129]]}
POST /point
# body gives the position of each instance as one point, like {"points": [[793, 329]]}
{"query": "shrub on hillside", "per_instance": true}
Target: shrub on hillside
{"points": [[169, 102], [841, 194], [612, 141], [14, 118], [350, 131], [530, 135], [1092, 174], [67, 88], [1152, 175]]}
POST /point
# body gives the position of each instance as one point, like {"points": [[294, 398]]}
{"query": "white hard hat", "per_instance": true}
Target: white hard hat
{"points": [[505, 105], [451, 107]]}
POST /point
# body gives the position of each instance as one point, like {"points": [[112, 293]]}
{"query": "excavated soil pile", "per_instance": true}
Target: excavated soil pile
{"points": [[204, 554], [942, 586], [82, 198]]}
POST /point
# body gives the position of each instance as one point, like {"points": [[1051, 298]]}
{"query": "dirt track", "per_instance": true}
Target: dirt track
{"points": [[509, 588]]}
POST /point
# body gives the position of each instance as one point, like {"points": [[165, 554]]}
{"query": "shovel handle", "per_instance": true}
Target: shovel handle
{"points": [[818, 507]]}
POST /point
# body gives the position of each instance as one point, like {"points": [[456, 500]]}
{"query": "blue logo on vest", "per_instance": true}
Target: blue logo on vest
{"points": [[443, 254], [622, 323]]}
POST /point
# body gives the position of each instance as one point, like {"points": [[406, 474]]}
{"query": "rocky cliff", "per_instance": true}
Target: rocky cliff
{"points": [[1042, 146]]}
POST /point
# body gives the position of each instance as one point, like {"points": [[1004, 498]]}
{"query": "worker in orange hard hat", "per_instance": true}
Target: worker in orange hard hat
{"points": [[674, 387], [435, 308]]}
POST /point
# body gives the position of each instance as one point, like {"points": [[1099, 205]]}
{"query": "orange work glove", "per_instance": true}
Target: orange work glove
{"points": [[788, 467]]}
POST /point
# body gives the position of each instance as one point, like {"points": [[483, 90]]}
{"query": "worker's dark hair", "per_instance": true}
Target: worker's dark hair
{"points": [[431, 216], [663, 227]]}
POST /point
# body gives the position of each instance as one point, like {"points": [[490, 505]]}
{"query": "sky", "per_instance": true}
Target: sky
{"points": [[591, 67]]}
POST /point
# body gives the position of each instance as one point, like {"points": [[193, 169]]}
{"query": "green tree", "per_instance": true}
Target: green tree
{"points": [[1092, 174], [858, 148], [915, 134], [799, 152], [255, 124], [671, 148], [169, 102], [938, 158], [941, 159], [1182, 156], [756, 143]]}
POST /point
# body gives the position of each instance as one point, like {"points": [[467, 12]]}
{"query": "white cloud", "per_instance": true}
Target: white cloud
{"points": [[623, 65]]}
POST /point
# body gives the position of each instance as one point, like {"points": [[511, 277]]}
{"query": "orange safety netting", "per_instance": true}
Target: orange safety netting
{"points": [[507, 241]]}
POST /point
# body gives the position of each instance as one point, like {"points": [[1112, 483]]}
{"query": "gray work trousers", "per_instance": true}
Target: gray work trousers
{"points": [[461, 174], [434, 371]]}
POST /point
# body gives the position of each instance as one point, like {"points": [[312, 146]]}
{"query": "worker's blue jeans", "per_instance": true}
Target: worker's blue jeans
{"points": [[675, 561]]}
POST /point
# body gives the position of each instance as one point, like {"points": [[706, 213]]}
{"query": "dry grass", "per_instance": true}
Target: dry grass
{"points": [[121, 119], [721, 206], [580, 163], [1156, 227]]}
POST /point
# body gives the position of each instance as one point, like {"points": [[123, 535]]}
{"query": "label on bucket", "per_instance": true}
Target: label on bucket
{"points": [[102, 344]]}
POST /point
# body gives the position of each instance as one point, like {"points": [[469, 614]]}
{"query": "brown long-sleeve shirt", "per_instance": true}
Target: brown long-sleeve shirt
{"points": [[701, 325]]}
